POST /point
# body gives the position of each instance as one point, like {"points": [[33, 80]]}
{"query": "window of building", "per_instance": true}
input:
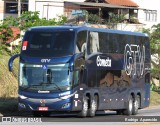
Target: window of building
{"points": [[150, 15], [12, 7]]}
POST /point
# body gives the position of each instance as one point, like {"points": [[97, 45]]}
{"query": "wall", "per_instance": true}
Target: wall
{"points": [[148, 5], [121, 26], [130, 27], [3, 15], [49, 8], [1, 9]]}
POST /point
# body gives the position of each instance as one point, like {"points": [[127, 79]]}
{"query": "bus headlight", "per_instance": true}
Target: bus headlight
{"points": [[22, 96]]}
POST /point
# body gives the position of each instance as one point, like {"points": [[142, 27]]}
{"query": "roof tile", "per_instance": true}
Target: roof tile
{"points": [[128, 3]]}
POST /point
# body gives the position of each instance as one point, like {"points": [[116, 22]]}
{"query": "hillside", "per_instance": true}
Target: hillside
{"points": [[8, 81]]}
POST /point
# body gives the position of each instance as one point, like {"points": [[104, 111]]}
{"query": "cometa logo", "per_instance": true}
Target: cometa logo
{"points": [[103, 62]]}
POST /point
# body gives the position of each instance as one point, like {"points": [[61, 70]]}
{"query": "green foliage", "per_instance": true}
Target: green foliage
{"points": [[28, 19], [93, 18], [2, 48], [147, 31], [5, 34], [16, 49], [114, 19], [154, 35], [155, 49]]}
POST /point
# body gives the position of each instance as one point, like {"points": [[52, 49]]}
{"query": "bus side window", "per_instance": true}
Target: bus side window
{"points": [[76, 77], [122, 40], [110, 43], [115, 44], [147, 50], [81, 41], [103, 42]]}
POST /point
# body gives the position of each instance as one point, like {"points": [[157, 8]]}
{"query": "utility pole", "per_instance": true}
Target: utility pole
{"points": [[19, 8]]}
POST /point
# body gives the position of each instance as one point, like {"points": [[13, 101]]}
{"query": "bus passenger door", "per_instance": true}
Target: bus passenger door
{"points": [[80, 57]]}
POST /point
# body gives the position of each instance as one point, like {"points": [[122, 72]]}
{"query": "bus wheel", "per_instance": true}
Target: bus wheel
{"points": [[135, 105], [84, 111], [129, 107], [93, 107]]}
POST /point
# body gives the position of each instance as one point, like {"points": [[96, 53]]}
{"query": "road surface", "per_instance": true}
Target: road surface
{"points": [[149, 115]]}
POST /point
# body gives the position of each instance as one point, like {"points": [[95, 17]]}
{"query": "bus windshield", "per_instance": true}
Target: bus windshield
{"points": [[48, 43], [44, 77]]}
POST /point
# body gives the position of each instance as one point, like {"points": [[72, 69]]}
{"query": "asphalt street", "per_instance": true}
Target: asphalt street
{"points": [[149, 115]]}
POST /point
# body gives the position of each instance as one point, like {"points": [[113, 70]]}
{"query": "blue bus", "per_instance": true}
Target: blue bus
{"points": [[82, 70]]}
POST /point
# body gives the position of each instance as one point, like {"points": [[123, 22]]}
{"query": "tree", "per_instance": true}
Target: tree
{"points": [[114, 19], [154, 36], [26, 20], [155, 50]]}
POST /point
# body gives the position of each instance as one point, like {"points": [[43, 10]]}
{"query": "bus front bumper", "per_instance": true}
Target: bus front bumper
{"points": [[32, 104]]}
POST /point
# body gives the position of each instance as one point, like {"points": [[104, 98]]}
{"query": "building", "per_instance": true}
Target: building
{"points": [[149, 12], [10, 8], [49, 8]]}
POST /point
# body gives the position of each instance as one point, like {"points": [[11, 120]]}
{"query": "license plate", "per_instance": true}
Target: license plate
{"points": [[43, 108]]}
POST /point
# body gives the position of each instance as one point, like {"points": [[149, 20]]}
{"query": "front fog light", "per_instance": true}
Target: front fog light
{"points": [[21, 105], [66, 105]]}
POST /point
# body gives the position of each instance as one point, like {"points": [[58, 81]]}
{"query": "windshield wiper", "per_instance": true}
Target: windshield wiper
{"points": [[25, 88], [57, 86], [51, 84]]}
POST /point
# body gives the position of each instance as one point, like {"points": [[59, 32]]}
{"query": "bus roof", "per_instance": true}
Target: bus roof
{"points": [[78, 28]]}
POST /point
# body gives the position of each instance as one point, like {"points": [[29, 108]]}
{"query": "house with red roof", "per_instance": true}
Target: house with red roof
{"points": [[128, 3], [47, 7]]}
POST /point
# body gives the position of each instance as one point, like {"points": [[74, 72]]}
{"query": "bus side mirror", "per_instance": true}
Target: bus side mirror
{"points": [[10, 62]]}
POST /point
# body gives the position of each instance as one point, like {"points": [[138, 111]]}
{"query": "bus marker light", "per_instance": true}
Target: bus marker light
{"points": [[75, 103], [76, 96], [81, 88], [25, 43]]}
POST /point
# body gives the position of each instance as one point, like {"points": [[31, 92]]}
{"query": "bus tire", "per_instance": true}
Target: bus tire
{"points": [[84, 111], [93, 107], [139, 101], [135, 105], [129, 106]]}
